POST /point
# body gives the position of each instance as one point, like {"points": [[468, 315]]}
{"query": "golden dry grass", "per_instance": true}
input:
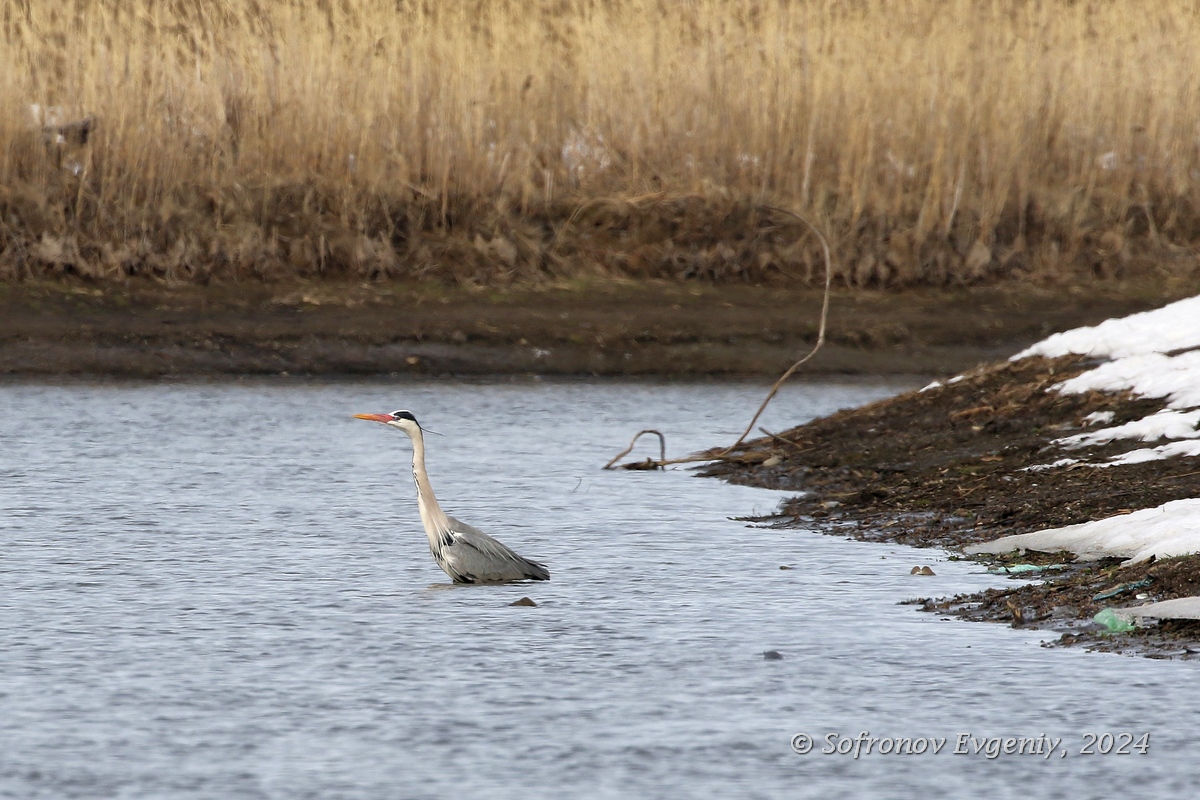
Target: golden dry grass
{"points": [[490, 141]]}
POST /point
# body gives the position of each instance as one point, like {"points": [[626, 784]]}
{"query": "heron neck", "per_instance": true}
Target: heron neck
{"points": [[432, 515]]}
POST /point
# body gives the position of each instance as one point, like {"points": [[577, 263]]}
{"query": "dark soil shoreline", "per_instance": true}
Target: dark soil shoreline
{"points": [[663, 329], [947, 467], [1068, 599]]}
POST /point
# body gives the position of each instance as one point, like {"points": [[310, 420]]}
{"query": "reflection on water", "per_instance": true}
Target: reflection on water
{"points": [[224, 591]]}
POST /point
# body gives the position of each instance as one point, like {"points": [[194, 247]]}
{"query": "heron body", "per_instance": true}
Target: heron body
{"points": [[465, 553]]}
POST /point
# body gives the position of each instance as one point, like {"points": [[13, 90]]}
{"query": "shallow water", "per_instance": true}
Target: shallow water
{"points": [[223, 591]]}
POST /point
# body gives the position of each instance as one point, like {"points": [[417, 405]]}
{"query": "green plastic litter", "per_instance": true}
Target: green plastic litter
{"points": [[1122, 589], [1115, 624], [1017, 569]]}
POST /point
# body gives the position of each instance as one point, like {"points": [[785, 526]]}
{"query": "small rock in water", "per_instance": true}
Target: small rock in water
{"points": [[773, 655], [921, 571], [524, 601], [784, 566]]}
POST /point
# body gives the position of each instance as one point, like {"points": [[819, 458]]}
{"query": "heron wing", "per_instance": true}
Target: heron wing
{"points": [[477, 556]]}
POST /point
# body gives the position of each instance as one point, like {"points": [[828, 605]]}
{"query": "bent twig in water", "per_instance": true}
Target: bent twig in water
{"points": [[714, 453], [649, 463]]}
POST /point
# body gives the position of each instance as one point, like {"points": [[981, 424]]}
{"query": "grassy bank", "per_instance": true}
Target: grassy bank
{"points": [[500, 142]]}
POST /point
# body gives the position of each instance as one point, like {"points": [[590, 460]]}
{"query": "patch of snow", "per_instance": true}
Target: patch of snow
{"points": [[1179, 608], [1147, 375], [949, 382], [1099, 417], [1163, 330], [1165, 424], [1062, 462], [1185, 448], [1172, 529], [1139, 351]]}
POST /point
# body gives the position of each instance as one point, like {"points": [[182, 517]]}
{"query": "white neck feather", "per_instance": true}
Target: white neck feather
{"points": [[432, 516]]}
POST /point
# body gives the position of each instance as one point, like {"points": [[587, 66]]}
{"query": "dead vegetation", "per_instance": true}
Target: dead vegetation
{"points": [[962, 462], [957, 464], [494, 143], [1104, 584]]}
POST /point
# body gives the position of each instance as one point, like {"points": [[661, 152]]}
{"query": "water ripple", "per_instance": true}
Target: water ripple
{"points": [[241, 607]]}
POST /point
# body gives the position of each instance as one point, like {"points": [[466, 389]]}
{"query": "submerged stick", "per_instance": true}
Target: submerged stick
{"points": [[651, 464], [713, 454]]}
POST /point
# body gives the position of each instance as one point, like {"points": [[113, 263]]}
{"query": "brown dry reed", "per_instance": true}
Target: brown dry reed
{"points": [[493, 141]]}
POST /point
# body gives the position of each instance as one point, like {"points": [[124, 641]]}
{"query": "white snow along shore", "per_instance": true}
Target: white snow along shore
{"points": [[1179, 608], [1154, 354], [1172, 529]]}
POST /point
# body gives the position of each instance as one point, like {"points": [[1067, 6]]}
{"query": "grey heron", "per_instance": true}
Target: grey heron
{"points": [[465, 553]]}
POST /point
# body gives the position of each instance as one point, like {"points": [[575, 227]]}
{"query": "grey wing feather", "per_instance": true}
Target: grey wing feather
{"points": [[478, 556]]}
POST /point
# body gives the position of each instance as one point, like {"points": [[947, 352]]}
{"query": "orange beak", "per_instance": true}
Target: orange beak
{"points": [[374, 417]]}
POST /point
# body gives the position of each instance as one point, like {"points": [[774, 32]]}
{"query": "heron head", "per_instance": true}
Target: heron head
{"points": [[404, 420]]}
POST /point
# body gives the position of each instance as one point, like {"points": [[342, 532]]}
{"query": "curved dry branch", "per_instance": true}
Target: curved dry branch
{"points": [[820, 327], [662, 450], [713, 454]]}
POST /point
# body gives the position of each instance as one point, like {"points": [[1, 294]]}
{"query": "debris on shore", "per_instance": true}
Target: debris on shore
{"points": [[1083, 447]]}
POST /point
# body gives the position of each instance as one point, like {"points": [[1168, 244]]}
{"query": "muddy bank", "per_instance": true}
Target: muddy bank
{"points": [[1073, 594], [651, 328], [951, 466]]}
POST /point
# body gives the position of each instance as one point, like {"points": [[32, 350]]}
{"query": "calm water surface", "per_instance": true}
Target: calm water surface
{"points": [[223, 591]]}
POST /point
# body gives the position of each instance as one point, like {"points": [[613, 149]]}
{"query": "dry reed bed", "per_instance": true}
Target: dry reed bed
{"points": [[493, 141]]}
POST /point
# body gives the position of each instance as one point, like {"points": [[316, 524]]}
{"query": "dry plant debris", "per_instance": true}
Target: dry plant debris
{"points": [[523, 141], [947, 467]]}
